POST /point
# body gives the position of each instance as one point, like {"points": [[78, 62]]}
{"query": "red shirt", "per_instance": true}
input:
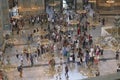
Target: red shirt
{"points": [[78, 31]]}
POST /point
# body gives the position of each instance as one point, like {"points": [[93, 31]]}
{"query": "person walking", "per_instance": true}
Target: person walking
{"points": [[21, 59], [66, 71], [20, 70], [52, 64], [101, 50], [68, 57], [117, 55], [118, 68], [31, 59], [8, 60], [103, 21], [38, 51], [27, 56], [73, 57]]}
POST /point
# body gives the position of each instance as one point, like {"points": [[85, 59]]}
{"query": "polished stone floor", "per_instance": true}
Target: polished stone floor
{"points": [[42, 71]]}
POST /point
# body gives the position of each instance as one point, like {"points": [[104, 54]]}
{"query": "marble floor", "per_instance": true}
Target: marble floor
{"points": [[42, 71]]}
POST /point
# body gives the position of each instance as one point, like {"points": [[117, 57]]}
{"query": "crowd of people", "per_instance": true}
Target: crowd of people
{"points": [[19, 23], [76, 44], [73, 41]]}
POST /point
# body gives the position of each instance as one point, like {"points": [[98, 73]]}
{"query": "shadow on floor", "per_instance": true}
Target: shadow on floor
{"points": [[105, 59]]}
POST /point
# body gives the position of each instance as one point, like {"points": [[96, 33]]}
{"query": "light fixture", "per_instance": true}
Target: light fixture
{"points": [[110, 1]]}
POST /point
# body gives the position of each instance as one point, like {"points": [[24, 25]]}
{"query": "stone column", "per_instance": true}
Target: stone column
{"points": [[4, 19]]}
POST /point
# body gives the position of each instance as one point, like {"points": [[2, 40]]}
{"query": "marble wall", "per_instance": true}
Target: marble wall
{"points": [[102, 4], [30, 3]]}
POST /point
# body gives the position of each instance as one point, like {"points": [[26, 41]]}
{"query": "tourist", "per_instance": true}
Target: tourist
{"points": [[21, 59], [90, 39], [27, 56], [73, 57], [8, 60], [97, 73], [66, 71], [92, 55], [31, 59], [101, 51], [38, 51], [20, 69], [117, 55], [118, 69], [87, 57], [52, 63], [103, 21], [68, 57]]}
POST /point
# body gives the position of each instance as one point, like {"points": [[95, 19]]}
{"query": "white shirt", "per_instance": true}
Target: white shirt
{"points": [[91, 54], [91, 49], [87, 40], [21, 58], [13, 23], [77, 45]]}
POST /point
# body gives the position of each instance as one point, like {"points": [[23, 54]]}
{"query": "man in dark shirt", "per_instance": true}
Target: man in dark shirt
{"points": [[66, 71]]}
